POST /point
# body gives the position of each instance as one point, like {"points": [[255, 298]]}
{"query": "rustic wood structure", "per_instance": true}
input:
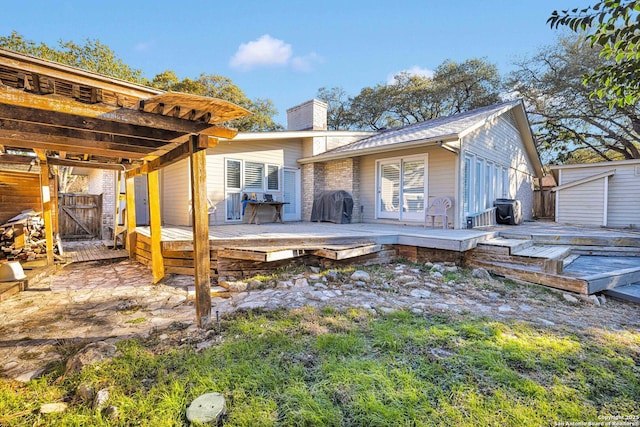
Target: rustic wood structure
{"points": [[58, 115]]}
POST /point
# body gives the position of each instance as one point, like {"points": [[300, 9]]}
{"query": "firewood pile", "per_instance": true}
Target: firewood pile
{"points": [[22, 238]]}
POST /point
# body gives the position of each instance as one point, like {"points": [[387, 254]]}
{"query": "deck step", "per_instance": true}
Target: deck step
{"points": [[512, 245], [544, 251], [568, 260], [8, 289], [627, 293], [533, 274]]}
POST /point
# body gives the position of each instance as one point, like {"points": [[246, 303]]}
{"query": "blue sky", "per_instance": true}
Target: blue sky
{"points": [[286, 50]]}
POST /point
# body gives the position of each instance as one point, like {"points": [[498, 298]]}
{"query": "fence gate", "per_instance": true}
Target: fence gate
{"points": [[80, 216]]}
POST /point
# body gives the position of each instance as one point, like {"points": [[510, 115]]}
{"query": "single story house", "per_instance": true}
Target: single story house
{"points": [[603, 194], [472, 158]]}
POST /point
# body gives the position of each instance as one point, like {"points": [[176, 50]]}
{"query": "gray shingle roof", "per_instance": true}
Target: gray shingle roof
{"points": [[440, 127]]}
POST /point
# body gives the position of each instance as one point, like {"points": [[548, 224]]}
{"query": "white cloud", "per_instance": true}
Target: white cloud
{"points": [[267, 51], [142, 46], [416, 70], [305, 63]]}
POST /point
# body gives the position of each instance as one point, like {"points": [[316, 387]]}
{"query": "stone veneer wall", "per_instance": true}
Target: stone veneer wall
{"points": [[342, 174]]}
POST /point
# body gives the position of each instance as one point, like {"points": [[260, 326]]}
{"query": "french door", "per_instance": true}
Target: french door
{"points": [[402, 188], [291, 195]]}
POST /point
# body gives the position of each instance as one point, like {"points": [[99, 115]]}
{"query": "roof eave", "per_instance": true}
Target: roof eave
{"points": [[375, 150]]}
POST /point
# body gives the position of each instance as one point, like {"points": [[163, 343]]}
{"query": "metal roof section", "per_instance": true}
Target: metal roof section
{"points": [[441, 129]]}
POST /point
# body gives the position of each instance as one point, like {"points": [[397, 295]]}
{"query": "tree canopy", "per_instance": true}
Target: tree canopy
{"points": [[97, 57], [571, 125], [614, 26], [453, 88]]}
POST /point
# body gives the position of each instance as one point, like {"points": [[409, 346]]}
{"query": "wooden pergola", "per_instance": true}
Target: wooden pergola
{"points": [[63, 116]]}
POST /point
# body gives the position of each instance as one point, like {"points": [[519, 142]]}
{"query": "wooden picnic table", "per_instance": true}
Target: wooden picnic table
{"points": [[253, 206]]}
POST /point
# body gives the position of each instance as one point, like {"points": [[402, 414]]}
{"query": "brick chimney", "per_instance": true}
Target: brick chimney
{"points": [[310, 115]]}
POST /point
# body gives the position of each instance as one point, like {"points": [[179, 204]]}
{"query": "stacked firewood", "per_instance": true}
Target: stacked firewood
{"points": [[23, 237]]}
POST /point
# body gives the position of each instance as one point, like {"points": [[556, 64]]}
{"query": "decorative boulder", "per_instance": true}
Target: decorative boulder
{"points": [[207, 408]]}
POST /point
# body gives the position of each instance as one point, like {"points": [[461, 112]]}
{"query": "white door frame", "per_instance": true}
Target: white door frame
{"points": [[401, 215], [297, 214]]}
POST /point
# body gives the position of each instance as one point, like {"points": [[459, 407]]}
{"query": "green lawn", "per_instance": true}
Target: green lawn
{"points": [[322, 367]]}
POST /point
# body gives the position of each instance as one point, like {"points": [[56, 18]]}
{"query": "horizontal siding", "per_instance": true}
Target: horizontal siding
{"points": [[501, 143], [283, 153], [582, 204], [440, 171], [176, 192], [624, 192]]}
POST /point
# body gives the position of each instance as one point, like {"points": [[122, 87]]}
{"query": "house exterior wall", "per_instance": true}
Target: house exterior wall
{"points": [[500, 143], [581, 204], [283, 153], [440, 175], [104, 182], [176, 192], [573, 207]]}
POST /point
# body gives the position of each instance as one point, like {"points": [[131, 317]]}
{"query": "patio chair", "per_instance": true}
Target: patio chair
{"points": [[438, 207]]}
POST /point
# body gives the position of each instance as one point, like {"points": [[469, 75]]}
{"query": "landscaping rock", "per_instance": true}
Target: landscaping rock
{"points": [[405, 279], [301, 282], [602, 299], [235, 286], [96, 352], [53, 408], [255, 284], [207, 408], [85, 392], [315, 269], [332, 276], [112, 412], [480, 273], [438, 267], [569, 298], [505, 308], [101, 399], [284, 284], [361, 276], [420, 293], [436, 274]]}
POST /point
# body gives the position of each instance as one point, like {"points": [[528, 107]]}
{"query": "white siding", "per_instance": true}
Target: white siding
{"points": [[582, 204], [283, 153], [623, 194], [440, 171], [500, 142], [176, 193]]}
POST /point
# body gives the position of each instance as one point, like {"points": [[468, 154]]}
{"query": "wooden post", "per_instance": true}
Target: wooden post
{"points": [[131, 217], [157, 262], [45, 194], [200, 221]]}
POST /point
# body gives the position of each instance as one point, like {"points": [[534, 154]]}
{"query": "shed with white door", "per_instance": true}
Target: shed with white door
{"points": [[605, 194]]}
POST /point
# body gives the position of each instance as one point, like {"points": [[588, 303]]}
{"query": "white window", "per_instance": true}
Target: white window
{"points": [[253, 176], [243, 176], [483, 182], [273, 178]]}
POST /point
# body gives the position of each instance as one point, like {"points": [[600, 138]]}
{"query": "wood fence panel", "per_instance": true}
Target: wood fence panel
{"points": [[80, 216], [544, 204]]}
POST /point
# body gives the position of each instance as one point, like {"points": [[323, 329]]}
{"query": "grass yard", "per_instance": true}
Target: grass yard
{"points": [[313, 367]]}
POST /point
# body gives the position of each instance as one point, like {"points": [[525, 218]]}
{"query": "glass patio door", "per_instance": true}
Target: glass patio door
{"points": [[402, 189], [291, 195]]}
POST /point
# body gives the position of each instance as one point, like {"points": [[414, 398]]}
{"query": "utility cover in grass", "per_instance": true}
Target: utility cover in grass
{"points": [[207, 408]]}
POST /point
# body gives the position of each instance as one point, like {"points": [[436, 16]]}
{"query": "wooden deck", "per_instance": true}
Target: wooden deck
{"points": [[242, 250], [91, 250], [544, 253], [307, 233]]}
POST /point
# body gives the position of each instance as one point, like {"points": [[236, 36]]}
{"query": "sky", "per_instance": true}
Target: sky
{"points": [[285, 50]]}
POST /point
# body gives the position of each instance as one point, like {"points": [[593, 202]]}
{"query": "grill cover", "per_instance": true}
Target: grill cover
{"points": [[508, 211], [333, 206]]}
